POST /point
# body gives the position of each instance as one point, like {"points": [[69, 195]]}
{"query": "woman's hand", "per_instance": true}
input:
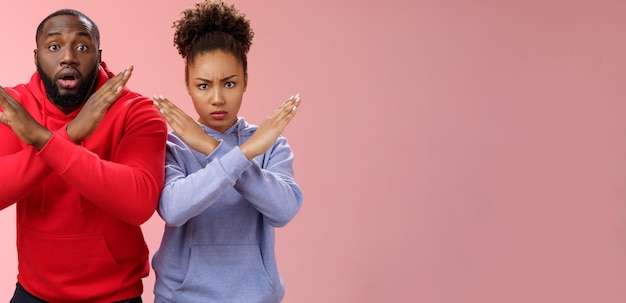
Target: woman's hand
{"points": [[186, 128], [268, 132]]}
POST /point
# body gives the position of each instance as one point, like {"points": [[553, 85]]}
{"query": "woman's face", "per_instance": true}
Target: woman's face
{"points": [[216, 83]]}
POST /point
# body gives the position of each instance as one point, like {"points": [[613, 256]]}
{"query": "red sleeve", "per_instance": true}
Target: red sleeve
{"points": [[129, 185], [20, 169]]}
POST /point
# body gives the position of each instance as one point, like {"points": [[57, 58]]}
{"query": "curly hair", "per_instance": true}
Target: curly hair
{"points": [[213, 25]]}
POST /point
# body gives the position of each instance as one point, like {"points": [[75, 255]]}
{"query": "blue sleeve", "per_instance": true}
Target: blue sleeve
{"points": [[272, 189], [192, 185]]}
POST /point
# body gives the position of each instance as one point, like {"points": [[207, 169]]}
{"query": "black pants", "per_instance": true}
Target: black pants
{"points": [[22, 296]]}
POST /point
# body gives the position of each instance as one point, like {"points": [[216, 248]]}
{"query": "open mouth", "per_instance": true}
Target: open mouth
{"points": [[68, 79]]}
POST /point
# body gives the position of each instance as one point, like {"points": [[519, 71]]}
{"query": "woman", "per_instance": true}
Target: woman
{"points": [[228, 183]]}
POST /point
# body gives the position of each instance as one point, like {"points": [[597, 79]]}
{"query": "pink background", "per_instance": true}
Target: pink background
{"points": [[449, 151]]}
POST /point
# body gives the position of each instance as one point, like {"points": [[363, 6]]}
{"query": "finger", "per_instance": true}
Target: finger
{"points": [[111, 90], [5, 99], [127, 73], [288, 111], [168, 105], [163, 103], [296, 102], [116, 84], [291, 105], [283, 108], [167, 109]]}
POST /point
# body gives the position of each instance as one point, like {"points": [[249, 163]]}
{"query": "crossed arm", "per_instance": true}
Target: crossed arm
{"points": [[271, 190], [30, 152]]}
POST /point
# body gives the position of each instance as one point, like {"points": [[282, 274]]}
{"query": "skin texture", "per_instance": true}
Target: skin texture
{"points": [[216, 84], [65, 46]]}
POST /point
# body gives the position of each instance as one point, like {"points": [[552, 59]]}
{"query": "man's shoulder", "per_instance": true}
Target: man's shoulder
{"points": [[132, 98]]}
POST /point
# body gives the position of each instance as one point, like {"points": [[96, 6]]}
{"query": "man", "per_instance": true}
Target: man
{"points": [[82, 157]]}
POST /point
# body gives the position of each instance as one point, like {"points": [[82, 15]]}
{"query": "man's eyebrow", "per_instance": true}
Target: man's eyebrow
{"points": [[83, 34]]}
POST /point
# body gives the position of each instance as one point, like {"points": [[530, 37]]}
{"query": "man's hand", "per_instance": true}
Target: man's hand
{"points": [[96, 107], [21, 122]]}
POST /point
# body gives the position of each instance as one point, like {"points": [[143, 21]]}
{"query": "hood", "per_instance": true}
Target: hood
{"points": [[49, 109]]}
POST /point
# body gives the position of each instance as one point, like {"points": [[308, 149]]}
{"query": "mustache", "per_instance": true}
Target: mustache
{"points": [[84, 91]]}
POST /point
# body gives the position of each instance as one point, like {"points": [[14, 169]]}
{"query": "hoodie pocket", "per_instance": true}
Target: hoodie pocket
{"points": [[233, 273], [79, 263]]}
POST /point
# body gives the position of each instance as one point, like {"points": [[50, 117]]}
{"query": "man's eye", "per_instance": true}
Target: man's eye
{"points": [[53, 47], [81, 48], [229, 84]]}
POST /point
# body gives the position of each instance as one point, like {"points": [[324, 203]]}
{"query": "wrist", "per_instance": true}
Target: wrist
{"points": [[206, 145], [247, 151], [41, 139]]}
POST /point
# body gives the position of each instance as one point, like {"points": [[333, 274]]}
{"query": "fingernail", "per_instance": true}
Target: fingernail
{"points": [[293, 109]]}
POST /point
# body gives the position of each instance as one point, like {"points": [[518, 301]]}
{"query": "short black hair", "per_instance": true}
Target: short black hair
{"points": [[69, 12]]}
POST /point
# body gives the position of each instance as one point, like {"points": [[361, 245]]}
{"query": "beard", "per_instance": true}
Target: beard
{"points": [[70, 101]]}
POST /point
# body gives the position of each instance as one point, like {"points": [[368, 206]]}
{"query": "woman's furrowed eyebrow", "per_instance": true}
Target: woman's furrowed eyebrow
{"points": [[222, 80]]}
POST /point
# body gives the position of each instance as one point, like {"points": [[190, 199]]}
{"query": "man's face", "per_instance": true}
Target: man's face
{"points": [[67, 59]]}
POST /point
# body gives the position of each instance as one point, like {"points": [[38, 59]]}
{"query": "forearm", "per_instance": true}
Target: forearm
{"points": [[127, 186], [20, 173], [276, 195], [20, 169], [272, 190], [185, 196]]}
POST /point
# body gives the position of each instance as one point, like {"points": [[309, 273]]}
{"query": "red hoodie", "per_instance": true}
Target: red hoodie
{"points": [[80, 206]]}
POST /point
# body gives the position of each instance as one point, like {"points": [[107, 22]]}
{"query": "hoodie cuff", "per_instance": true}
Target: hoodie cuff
{"points": [[234, 163], [58, 150]]}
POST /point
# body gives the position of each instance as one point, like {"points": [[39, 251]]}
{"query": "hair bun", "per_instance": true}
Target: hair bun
{"points": [[210, 16]]}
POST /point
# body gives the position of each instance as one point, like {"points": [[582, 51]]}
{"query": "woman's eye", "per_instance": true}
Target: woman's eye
{"points": [[229, 84], [203, 86]]}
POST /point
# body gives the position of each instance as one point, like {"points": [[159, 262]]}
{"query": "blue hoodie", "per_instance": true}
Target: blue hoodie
{"points": [[221, 210]]}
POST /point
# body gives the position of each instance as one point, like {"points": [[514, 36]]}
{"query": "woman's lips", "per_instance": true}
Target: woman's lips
{"points": [[219, 115]]}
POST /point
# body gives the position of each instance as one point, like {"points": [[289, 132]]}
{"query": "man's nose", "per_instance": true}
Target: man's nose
{"points": [[68, 57]]}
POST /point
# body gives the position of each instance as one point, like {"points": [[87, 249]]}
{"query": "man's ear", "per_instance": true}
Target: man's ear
{"points": [[35, 56]]}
